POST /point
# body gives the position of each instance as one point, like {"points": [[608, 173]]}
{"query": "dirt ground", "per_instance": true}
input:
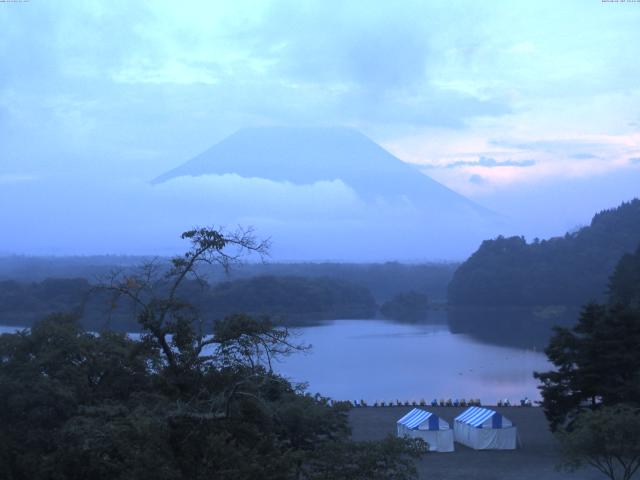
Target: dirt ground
{"points": [[534, 460]]}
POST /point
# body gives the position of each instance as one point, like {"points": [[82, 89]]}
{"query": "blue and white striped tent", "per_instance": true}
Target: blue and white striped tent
{"points": [[428, 426], [482, 428]]}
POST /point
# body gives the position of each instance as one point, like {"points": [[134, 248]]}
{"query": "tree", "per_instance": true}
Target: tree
{"points": [[177, 403], [624, 284], [155, 293], [607, 439], [54, 373], [568, 270], [597, 361], [390, 459], [409, 306], [592, 399]]}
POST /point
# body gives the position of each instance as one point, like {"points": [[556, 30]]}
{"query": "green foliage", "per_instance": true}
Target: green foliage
{"points": [[406, 307], [291, 299], [597, 361], [367, 460], [23, 303], [607, 439], [287, 299], [624, 284], [175, 404], [49, 374], [293, 293], [79, 405], [569, 270]]}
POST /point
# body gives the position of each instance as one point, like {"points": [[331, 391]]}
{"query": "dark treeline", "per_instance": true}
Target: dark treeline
{"points": [[290, 299], [22, 303], [384, 280], [291, 293], [406, 307], [287, 300], [569, 270]]}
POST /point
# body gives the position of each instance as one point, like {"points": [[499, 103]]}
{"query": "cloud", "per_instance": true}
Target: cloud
{"points": [[523, 48], [320, 221], [9, 178], [268, 63], [634, 161], [564, 146], [488, 162], [477, 179], [93, 87]]}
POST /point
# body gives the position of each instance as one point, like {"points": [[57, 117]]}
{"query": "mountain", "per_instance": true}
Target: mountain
{"points": [[569, 270], [393, 211], [304, 156]]}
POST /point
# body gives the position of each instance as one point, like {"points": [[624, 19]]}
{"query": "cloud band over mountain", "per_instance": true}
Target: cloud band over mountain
{"points": [[488, 162]]}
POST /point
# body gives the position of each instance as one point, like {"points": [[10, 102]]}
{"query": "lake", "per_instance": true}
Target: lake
{"points": [[379, 360]]}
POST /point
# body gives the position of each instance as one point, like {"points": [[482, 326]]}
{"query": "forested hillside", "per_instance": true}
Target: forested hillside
{"points": [[290, 300], [569, 270], [384, 280]]}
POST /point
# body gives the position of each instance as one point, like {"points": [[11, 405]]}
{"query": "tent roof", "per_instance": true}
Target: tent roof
{"points": [[475, 416], [415, 418]]}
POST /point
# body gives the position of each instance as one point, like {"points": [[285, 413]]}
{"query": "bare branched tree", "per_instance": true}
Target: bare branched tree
{"points": [[154, 291], [240, 346]]}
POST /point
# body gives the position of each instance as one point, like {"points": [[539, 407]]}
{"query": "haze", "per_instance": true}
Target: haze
{"points": [[530, 112]]}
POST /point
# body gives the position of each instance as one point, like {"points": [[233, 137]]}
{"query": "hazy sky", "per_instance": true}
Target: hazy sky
{"points": [[515, 104]]}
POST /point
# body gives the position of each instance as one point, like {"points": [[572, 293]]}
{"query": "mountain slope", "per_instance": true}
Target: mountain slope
{"points": [[308, 155], [569, 270]]}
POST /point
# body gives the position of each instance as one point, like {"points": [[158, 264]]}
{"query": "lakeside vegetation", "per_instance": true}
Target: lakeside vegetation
{"points": [[383, 280], [409, 306], [291, 293], [570, 270], [592, 396], [287, 300]]}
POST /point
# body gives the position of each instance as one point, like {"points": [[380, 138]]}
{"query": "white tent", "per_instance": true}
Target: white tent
{"points": [[482, 429], [429, 427]]}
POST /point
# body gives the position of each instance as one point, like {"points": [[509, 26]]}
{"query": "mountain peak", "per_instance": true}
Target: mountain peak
{"points": [[300, 155], [306, 155]]}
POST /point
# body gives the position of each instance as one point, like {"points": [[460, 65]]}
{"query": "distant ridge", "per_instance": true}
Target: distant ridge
{"points": [[570, 270], [302, 156]]}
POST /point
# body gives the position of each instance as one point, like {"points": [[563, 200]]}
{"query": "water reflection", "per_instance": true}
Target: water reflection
{"points": [[380, 360], [528, 328], [460, 353]]}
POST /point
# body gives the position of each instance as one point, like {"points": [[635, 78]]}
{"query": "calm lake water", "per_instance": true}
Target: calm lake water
{"points": [[378, 360]]}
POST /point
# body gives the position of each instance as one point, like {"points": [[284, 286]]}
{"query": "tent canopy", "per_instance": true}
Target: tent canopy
{"points": [[418, 419], [429, 427], [479, 417]]}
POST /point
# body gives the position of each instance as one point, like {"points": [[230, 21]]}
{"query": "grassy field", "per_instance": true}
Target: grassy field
{"points": [[534, 460]]}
